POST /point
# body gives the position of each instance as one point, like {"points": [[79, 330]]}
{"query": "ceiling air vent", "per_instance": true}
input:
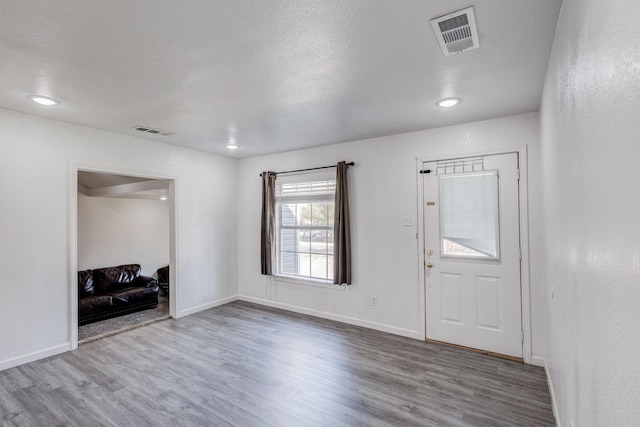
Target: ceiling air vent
{"points": [[456, 32], [152, 131]]}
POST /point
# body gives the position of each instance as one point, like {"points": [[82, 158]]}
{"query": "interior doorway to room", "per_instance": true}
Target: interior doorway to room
{"points": [[125, 235], [472, 255]]}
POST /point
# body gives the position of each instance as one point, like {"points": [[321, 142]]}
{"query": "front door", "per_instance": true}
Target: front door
{"points": [[472, 253]]}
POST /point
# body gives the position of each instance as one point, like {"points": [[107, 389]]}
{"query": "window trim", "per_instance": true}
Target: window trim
{"points": [[312, 198]]}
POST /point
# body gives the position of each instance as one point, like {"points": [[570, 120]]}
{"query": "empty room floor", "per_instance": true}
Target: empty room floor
{"points": [[243, 364]]}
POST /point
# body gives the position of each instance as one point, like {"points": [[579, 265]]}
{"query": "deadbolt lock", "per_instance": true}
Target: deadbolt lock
{"points": [[429, 251]]}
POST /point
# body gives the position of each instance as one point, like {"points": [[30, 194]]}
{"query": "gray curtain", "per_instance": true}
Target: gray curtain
{"points": [[341, 229], [267, 231]]}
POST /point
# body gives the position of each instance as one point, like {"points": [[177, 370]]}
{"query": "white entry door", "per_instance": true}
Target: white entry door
{"points": [[472, 253]]}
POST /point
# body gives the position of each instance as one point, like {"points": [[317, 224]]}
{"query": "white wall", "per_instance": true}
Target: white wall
{"points": [[383, 189], [35, 156], [114, 231], [591, 156]]}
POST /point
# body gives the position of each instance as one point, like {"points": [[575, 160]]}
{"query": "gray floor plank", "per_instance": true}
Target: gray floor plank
{"points": [[243, 364]]}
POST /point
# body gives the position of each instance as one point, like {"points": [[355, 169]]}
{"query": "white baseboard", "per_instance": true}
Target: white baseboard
{"points": [[554, 404], [537, 361], [36, 355], [207, 306], [337, 317]]}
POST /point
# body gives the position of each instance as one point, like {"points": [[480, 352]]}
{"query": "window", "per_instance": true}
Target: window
{"points": [[469, 215], [304, 226]]}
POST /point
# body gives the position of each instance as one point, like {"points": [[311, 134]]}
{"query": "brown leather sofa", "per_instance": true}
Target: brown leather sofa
{"points": [[114, 291]]}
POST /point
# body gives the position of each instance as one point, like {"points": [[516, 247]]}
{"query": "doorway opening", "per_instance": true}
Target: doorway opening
{"points": [[473, 240], [123, 251]]}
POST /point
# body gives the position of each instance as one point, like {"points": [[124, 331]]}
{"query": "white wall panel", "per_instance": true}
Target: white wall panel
{"points": [[114, 231], [383, 189], [36, 155], [590, 154]]}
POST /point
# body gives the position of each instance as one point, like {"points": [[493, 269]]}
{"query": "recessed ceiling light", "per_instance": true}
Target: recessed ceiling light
{"points": [[43, 100], [164, 198], [448, 102], [232, 144]]}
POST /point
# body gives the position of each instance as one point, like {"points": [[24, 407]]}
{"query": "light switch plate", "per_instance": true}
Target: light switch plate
{"points": [[408, 221]]}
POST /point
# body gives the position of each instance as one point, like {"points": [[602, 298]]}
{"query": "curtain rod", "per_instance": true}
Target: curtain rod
{"points": [[311, 169]]}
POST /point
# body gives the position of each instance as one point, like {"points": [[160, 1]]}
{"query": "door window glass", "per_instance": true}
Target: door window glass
{"points": [[469, 215]]}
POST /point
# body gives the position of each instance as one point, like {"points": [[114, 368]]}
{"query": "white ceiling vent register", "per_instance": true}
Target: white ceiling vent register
{"points": [[152, 131], [456, 32]]}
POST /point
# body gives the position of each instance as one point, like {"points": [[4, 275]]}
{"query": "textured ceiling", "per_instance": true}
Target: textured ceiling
{"points": [[282, 75]]}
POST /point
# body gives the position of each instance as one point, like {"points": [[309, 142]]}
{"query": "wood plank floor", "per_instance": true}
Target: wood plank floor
{"points": [[247, 365]]}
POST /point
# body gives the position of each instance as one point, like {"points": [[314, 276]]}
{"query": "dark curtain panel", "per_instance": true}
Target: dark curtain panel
{"points": [[267, 231], [341, 229]]}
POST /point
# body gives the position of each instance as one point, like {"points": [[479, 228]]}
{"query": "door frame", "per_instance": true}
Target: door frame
{"points": [[174, 295], [523, 207]]}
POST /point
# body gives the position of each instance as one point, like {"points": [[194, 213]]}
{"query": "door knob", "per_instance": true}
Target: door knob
{"points": [[429, 264]]}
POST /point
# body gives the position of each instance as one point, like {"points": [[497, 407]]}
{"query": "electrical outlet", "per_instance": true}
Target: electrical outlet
{"points": [[407, 221], [374, 301]]}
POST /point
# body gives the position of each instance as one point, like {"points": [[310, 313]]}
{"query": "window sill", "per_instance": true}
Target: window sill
{"points": [[309, 282]]}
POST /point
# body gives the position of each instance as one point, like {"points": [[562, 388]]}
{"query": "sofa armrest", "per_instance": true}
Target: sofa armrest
{"points": [[145, 282]]}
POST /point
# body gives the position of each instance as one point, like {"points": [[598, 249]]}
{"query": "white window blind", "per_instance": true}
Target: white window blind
{"points": [[470, 215]]}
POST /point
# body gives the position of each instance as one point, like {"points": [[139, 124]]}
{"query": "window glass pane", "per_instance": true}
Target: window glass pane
{"points": [[320, 214], [288, 241], [319, 241], [304, 213], [288, 251], [319, 266], [288, 262], [288, 213], [304, 265], [304, 240], [469, 217]]}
